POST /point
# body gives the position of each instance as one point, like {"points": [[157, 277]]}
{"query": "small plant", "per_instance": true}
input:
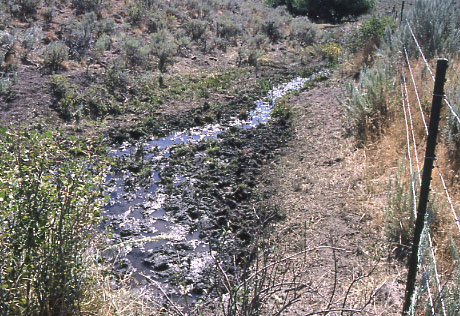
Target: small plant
{"points": [[330, 51], [196, 29], [302, 30], [399, 210], [164, 48], [6, 87], [134, 52], [228, 28], [103, 43], [55, 53], [155, 21], [83, 6], [368, 103], [32, 37], [81, 35]]}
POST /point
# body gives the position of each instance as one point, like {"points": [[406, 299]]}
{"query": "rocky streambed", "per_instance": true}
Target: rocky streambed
{"points": [[182, 202]]}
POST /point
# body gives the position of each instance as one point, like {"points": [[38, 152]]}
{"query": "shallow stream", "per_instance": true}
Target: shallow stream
{"points": [[149, 242]]}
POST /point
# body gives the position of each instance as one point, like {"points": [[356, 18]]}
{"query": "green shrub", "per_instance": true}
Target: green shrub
{"points": [[155, 21], [55, 53], [103, 43], [368, 104], [228, 28], [436, 26], [83, 6], [372, 29], [32, 36], [7, 41], [49, 201], [134, 52], [6, 87], [399, 210], [80, 35], [328, 10], [273, 28], [302, 30], [164, 48], [196, 29]]}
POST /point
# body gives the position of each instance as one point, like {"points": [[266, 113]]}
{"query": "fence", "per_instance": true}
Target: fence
{"points": [[427, 288]]}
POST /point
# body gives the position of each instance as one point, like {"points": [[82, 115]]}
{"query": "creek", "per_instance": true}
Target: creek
{"points": [[159, 237]]}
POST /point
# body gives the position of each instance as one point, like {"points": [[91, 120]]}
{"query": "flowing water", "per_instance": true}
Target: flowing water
{"points": [[144, 236]]}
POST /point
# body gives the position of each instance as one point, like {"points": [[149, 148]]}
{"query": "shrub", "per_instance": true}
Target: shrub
{"points": [[106, 26], [55, 53], [302, 30], [155, 21], [49, 13], [81, 35], [196, 29], [83, 6], [32, 36], [273, 28], [228, 28], [328, 10], [399, 211], [6, 87], [103, 43], [368, 104], [134, 52], [164, 48], [7, 48], [436, 26], [50, 201]]}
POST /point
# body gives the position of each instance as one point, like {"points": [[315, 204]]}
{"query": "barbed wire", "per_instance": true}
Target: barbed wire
{"points": [[431, 72], [416, 90], [454, 213], [411, 125], [407, 104]]}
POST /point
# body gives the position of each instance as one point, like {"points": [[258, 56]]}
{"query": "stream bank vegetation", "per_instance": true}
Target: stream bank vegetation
{"points": [[375, 114]]}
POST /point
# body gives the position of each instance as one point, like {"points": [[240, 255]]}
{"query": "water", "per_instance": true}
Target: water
{"points": [[142, 229]]}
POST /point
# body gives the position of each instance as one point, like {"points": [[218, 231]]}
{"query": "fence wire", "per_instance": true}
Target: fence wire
{"points": [[431, 72], [425, 277]]}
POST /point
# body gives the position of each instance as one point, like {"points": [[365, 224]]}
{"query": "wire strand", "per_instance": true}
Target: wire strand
{"points": [[429, 69], [416, 91]]}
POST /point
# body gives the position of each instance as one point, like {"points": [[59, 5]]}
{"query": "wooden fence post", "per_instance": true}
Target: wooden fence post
{"points": [[438, 95]]}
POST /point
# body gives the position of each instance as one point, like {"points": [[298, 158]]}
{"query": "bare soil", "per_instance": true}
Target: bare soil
{"points": [[318, 183]]}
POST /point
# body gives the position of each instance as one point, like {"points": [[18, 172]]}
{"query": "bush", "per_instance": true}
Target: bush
{"points": [[50, 201], [399, 211], [134, 52], [7, 48], [273, 28], [196, 29], [368, 104], [328, 10], [302, 30], [32, 36], [55, 53], [83, 6], [436, 26], [164, 48], [228, 28], [81, 35], [6, 87]]}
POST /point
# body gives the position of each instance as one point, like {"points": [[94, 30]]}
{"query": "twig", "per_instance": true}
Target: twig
{"points": [[164, 293], [335, 310]]}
